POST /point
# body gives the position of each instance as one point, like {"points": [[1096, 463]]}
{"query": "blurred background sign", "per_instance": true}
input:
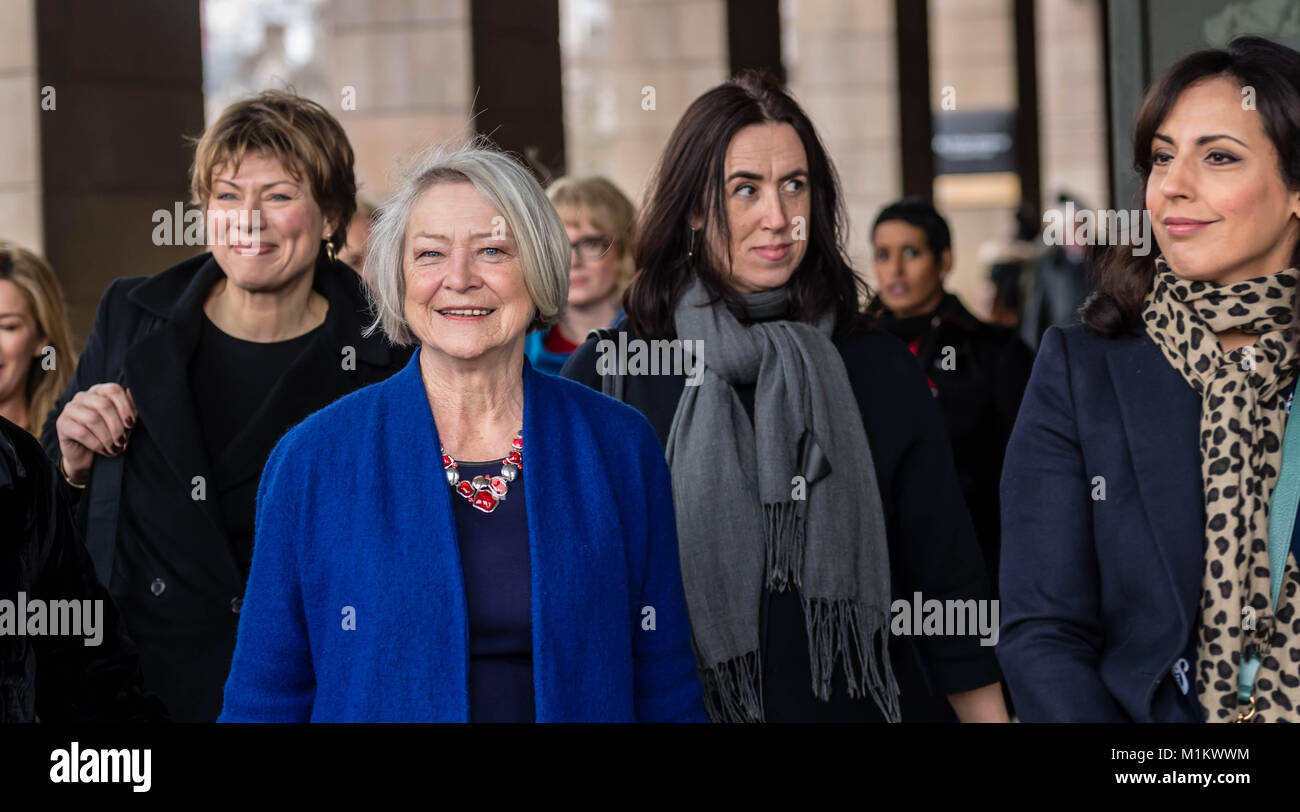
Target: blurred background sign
{"points": [[967, 143]]}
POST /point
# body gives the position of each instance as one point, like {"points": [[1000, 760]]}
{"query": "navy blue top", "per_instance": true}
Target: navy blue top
{"points": [[498, 596]]}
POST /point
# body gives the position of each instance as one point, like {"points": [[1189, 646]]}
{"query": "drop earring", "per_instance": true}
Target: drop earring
{"points": [[690, 244]]}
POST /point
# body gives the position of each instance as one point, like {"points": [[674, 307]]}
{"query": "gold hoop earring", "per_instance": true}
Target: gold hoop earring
{"points": [[329, 251]]}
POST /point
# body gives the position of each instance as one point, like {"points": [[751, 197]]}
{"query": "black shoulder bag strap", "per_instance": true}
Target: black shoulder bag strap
{"points": [[611, 384], [106, 490]]}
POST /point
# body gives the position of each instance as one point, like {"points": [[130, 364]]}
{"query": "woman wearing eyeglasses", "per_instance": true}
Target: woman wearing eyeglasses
{"points": [[600, 222]]}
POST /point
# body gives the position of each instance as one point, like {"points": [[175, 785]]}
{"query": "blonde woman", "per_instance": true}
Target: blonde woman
{"points": [[36, 358], [601, 224]]}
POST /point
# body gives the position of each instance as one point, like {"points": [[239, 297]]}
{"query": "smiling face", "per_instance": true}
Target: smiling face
{"points": [[465, 291], [910, 276], [590, 280], [20, 340], [766, 177], [1219, 207], [290, 224]]}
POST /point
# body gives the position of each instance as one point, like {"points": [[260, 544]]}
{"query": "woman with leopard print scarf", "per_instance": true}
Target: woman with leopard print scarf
{"points": [[1136, 492]]}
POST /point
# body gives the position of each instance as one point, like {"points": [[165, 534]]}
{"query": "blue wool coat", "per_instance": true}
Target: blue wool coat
{"points": [[355, 607]]}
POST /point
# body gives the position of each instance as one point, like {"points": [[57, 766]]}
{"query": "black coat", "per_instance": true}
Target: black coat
{"points": [[979, 392], [932, 547], [177, 579], [58, 679]]}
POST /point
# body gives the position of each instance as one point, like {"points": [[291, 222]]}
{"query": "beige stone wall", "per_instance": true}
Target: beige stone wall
{"points": [[973, 52], [612, 52], [1072, 101], [20, 182], [840, 58], [409, 64]]}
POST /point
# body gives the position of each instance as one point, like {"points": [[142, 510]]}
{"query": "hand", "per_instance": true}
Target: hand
{"points": [[96, 421]]}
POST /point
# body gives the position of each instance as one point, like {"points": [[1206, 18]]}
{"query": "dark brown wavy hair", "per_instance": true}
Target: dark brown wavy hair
{"points": [[1273, 71], [689, 182]]}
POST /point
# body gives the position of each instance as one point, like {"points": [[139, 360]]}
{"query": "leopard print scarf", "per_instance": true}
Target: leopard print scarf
{"points": [[1243, 415]]}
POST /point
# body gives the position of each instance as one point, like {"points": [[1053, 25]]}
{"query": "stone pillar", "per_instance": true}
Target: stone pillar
{"points": [[400, 79], [617, 57], [840, 56], [100, 97], [1072, 102], [20, 177], [972, 51]]}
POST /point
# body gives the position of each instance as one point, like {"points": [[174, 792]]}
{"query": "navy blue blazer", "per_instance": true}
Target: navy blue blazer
{"points": [[1100, 595]]}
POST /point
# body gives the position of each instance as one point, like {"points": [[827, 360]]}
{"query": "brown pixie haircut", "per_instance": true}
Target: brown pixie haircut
{"points": [[299, 133], [1273, 70]]}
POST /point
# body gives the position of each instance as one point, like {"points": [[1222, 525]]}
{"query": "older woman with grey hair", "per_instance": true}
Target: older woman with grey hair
{"points": [[405, 567]]}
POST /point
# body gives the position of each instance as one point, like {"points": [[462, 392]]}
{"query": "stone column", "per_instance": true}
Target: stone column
{"points": [[400, 79], [841, 62], [99, 99], [631, 67]]}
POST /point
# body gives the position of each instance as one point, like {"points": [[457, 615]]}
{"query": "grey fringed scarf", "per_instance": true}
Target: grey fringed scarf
{"points": [[790, 499]]}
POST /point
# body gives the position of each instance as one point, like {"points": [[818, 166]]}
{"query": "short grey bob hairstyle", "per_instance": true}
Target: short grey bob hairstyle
{"points": [[530, 219]]}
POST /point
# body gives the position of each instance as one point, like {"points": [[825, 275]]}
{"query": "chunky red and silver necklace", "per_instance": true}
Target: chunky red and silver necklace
{"points": [[486, 492]]}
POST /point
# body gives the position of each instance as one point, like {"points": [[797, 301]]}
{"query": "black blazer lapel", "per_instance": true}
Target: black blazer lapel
{"points": [[1161, 415]]}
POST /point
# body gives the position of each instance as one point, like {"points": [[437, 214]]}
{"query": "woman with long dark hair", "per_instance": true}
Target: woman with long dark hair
{"points": [[811, 477], [1148, 571]]}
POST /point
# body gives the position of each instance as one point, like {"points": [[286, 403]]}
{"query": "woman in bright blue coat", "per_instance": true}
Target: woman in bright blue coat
{"points": [[405, 567]]}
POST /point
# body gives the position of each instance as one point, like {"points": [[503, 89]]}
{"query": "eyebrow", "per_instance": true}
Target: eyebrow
{"points": [[477, 235], [267, 186], [9, 315], [746, 174], [1203, 140]]}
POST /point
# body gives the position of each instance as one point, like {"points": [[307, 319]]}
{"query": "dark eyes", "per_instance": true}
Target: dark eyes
{"points": [[1215, 158], [908, 252], [791, 185]]}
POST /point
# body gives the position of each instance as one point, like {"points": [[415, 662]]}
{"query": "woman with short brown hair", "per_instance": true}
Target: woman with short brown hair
{"points": [[190, 376]]}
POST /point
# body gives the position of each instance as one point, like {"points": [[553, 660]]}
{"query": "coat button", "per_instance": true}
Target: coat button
{"points": [[157, 586], [236, 604]]}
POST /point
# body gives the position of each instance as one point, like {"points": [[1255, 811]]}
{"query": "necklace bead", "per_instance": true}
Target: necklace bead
{"points": [[486, 492]]}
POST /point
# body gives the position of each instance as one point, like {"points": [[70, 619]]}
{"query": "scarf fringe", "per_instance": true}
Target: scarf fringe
{"points": [[733, 691], [784, 542], [835, 628]]}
